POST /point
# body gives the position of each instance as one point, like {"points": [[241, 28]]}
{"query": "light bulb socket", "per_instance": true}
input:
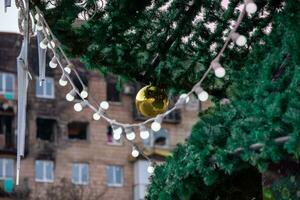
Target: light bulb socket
{"points": [[63, 80], [44, 43], [239, 39], [53, 63], [143, 128], [201, 93], [116, 129]]}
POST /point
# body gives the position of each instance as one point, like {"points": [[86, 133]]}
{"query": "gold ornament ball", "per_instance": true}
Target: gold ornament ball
{"points": [[151, 101]]}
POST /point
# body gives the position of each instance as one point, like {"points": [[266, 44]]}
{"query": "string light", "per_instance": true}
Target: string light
{"points": [[135, 153], [130, 135], [185, 97], [37, 17], [117, 131], [156, 125], [150, 168], [63, 80], [39, 26], [202, 94], [144, 133], [79, 106], [251, 7], [96, 116], [71, 95], [44, 43], [84, 94], [240, 40], [51, 44], [53, 62], [218, 69], [104, 105], [69, 68]]}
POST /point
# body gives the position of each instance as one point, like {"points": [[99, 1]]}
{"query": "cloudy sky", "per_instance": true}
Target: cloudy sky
{"points": [[8, 20]]}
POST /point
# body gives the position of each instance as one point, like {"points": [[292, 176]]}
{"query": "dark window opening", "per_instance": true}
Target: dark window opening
{"points": [[45, 129], [6, 131], [160, 141], [78, 84], [109, 134], [112, 93], [77, 130]]}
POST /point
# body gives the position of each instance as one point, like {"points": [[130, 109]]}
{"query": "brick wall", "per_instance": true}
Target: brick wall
{"points": [[95, 151]]}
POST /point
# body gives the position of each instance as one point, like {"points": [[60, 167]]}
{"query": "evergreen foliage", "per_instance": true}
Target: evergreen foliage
{"points": [[172, 47], [264, 105], [166, 43]]}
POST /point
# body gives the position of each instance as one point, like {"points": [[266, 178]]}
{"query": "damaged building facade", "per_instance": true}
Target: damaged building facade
{"points": [[62, 144]]}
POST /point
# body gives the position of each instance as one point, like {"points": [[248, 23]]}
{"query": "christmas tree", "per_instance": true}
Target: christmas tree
{"points": [[171, 44]]}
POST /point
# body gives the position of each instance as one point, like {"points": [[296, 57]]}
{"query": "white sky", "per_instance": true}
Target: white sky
{"points": [[9, 20]]}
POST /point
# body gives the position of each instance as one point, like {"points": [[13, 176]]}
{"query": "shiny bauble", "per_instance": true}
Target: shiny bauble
{"points": [[151, 101]]}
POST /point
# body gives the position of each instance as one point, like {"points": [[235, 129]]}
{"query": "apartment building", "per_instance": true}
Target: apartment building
{"points": [[62, 144]]}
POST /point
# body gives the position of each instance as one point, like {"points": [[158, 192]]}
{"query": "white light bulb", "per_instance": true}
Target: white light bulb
{"points": [[78, 107], [117, 136], [53, 63], [150, 169], [43, 44], [62, 81], [144, 134], [251, 7], [220, 72], [51, 44], [68, 69], [84, 94], [203, 96], [37, 17], [135, 153], [186, 97], [96, 116], [241, 40], [130, 135], [117, 130], [104, 105], [155, 126], [70, 96], [39, 27]]}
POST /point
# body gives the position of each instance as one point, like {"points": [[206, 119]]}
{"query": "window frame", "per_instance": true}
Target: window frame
{"points": [[5, 74], [112, 81], [45, 179], [5, 161], [114, 176], [81, 167], [45, 95]]}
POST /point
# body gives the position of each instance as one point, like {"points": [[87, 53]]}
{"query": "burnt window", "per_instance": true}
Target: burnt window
{"points": [[78, 84], [112, 93], [46, 129], [77, 130], [6, 131]]}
